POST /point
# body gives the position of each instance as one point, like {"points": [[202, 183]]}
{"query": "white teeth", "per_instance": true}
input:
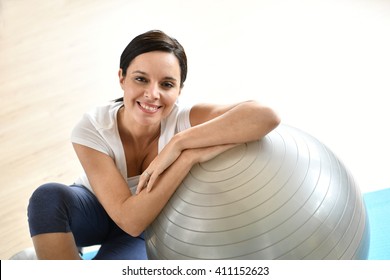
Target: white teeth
{"points": [[149, 108]]}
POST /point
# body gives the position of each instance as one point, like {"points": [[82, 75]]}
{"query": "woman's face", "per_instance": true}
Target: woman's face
{"points": [[151, 86]]}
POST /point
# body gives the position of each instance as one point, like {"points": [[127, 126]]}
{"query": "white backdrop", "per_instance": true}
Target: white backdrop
{"points": [[324, 65]]}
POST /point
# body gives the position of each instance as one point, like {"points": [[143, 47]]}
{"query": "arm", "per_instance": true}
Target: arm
{"points": [[214, 125], [133, 213], [217, 125]]}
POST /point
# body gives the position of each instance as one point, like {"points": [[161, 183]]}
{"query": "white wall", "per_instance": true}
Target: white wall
{"points": [[324, 65]]}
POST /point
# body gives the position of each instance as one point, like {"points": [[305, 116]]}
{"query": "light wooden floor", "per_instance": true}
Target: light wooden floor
{"points": [[50, 73]]}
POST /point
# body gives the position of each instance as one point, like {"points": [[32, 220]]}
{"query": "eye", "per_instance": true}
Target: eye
{"points": [[167, 85], [140, 79]]}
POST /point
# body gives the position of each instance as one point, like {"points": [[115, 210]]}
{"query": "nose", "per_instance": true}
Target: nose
{"points": [[152, 92]]}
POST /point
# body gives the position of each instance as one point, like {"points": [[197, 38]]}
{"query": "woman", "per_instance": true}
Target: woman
{"points": [[135, 152]]}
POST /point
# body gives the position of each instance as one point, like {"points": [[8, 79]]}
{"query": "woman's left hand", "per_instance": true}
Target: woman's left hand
{"points": [[162, 161]]}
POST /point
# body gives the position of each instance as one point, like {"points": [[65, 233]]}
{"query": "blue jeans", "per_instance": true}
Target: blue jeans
{"points": [[56, 207]]}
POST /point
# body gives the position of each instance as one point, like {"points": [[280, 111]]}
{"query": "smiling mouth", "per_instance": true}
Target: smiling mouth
{"points": [[148, 108]]}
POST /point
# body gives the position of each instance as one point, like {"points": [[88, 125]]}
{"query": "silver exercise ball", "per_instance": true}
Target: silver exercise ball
{"points": [[286, 196]]}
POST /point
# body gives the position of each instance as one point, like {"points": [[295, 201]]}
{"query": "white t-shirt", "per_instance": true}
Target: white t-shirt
{"points": [[98, 129]]}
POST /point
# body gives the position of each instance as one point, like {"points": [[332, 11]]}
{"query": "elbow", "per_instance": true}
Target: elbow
{"points": [[273, 119], [129, 223], [266, 118], [135, 232], [132, 228]]}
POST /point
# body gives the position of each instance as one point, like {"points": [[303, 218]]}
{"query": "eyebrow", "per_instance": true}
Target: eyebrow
{"points": [[146, 74]]}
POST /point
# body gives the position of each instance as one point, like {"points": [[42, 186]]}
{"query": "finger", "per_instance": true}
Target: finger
{"points": [[143, 180], [150, 183], [139, 188]]}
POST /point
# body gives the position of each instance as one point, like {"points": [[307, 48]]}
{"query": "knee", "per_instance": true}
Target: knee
{"points": [[45, 197], [47, 193], [47, 204]]}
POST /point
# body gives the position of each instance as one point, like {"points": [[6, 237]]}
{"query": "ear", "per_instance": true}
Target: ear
{"points": [[121, 78]]}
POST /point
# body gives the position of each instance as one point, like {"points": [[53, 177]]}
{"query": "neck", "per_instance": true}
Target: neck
{"points": [[140, 135]]}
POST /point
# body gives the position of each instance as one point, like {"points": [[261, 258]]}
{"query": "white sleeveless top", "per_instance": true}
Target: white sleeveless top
{"points": [[98, 129]]}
